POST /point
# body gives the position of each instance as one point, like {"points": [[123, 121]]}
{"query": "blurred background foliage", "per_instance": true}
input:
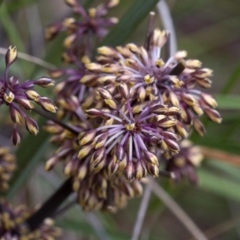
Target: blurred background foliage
{"points": [[209, 31]]}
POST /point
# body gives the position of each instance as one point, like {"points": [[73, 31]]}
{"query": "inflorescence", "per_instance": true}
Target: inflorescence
{"points": [[129, 113], [12, 225], [131, 110], [19, 97]]}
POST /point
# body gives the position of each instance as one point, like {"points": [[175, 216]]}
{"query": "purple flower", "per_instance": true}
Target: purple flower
{"points": [[150, 77], [183, 165], [7, 167], [81, 29], [19, 97], [12, 227]]}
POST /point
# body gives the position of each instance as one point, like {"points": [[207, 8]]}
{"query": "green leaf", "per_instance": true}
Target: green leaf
{"points": [[12, 34], [217, 142], [29, 155], [232, 80], [129, 22], [17, 5], [230, 102], [219, 185]]}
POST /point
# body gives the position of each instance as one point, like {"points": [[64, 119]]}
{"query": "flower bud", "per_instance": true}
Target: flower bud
{"points": [[51, 163], [25, 103], [130, 170], [198, 126], [88, 137], [11, 55], [150, 157], [82, 171], [105, 94], [31, 126], [33, 95], [137, 188], [8, 96], [15, 137], [47, 104], [213, 115], [112, 3], [100, 140], [15, 115], [71, 3], [84, 151], [44, 82]]}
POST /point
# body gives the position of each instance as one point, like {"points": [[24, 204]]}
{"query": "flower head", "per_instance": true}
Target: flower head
{"points": [[96, 190], [183, 164], [12, 225], [87, 23], [130, 136], [7, 167], [19, 97], [150, 77], [102, 192]]}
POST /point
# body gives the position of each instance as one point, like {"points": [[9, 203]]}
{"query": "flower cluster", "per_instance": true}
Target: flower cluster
{"points": [[7, 167], [95, 188], [12, 227], [82, 29], [20, 96], [130, 111], [184, 163], [150, 77]]}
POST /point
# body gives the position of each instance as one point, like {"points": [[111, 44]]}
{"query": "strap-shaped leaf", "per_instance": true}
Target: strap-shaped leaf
{"points": [[129, 22]]}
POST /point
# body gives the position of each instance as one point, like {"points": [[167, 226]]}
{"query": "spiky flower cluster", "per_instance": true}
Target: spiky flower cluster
{"points": [[19, 97], [130, 111], [184, 163], [7, 167], [82, 29], [150, 77], [95, 187], [12, 227]]}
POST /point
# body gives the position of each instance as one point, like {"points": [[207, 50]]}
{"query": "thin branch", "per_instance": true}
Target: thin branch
{"points": [[97, 226], [60, 123], [177, 211], [51, 205], [142, 212], [65, 208], [31, 59], [221, 155], [165, 15], [91, 218], [221, 228]]}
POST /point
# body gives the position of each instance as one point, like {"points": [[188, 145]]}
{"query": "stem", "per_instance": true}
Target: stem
{"points": [[31, 59], [142, 212], [51, 205], [167, 21], [64, 208], [60, 123], [149, 30], [177, 211]]}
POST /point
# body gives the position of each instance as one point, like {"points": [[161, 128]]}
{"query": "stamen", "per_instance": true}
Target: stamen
{"points": [[113, 137], [124, 115], [130, 148], [113, 144], [136, 147], [108, 126], [141, 143], [112, 116]]}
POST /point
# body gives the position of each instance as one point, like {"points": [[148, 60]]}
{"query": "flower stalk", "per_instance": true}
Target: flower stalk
{"points": [[50, 206]]}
